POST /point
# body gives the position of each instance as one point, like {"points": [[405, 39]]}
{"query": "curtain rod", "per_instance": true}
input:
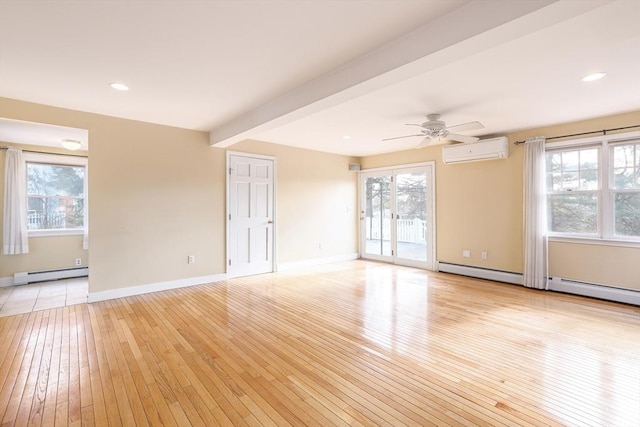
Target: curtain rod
{"points": [[4, 147], [603, 131]]}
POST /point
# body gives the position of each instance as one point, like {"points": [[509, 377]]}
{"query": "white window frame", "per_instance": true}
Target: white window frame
{"points": [[605, 234], [58, 159]]}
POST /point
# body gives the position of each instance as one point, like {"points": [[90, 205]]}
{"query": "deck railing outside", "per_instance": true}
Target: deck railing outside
{"points": [[41, 221], [407, 230]]}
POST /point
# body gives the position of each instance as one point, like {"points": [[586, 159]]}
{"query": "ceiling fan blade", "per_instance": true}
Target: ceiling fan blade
{"points": [[400, 137], [412, 124], [461, 138], [423, 143], [465, 127]]}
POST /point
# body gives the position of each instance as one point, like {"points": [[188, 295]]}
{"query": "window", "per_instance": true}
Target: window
{"points": [[593, 188], [625, 188], [56, 189], [572, 191]]}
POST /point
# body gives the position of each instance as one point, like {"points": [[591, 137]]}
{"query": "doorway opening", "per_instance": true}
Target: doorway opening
{"points": [[53, 271]]}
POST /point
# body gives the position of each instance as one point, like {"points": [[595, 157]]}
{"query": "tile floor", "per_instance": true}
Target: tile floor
{"points": [[44, 295]]}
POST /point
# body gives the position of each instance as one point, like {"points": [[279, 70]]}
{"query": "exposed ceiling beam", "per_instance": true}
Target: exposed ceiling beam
{"points": [[470, 29]]}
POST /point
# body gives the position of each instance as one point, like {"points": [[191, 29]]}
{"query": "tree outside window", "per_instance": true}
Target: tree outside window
{"points": [[572, 191], [626, 189], [55, 196]]}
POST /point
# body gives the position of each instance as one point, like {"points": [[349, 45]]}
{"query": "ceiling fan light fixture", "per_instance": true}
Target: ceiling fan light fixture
{"points": [[71, 144], [593, 76]]}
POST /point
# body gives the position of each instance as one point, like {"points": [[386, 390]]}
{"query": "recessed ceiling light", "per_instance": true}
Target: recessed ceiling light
{"points": [[71, 144], [346, 137], [119, 86], [594, 76]]}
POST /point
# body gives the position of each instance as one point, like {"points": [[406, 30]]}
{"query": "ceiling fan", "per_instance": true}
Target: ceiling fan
{"points": [[434, 128]]}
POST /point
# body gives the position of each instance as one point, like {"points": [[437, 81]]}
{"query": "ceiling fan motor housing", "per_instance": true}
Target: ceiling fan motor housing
{"points": [[434, 127]]}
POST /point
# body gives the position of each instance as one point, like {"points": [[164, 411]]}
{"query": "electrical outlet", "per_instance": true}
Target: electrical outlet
{"points": [[78, 261], [484, 255], [466, 253], [191, 259]]}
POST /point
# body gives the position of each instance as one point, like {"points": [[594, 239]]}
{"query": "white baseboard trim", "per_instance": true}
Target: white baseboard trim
{"points": [[481, 273], [154, 287], [316, 261], [626, 296], [6, 281]]}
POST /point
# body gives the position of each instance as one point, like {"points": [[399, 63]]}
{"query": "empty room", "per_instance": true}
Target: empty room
{"points": [[347, 212]]}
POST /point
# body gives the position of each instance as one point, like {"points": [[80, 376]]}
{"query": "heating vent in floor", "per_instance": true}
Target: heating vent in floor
{"points": [[43, 276]]}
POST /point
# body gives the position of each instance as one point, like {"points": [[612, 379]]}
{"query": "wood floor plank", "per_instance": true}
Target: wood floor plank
{"points": [[45, 374], [356, 343], [11, 329], [75, 413], [51, 402], [23, 388], [12, 363], [64, 371], [101, 334]]}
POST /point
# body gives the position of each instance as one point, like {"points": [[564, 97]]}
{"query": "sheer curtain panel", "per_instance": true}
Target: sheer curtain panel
{"points": [[535, 215], [14, 227]]}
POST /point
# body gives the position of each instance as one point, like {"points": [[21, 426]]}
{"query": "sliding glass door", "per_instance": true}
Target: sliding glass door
{"points": [[396, 215], [377, 218]]}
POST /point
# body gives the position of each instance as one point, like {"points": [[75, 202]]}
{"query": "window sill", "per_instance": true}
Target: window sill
{"points": [[55, 233], [596, 241]]}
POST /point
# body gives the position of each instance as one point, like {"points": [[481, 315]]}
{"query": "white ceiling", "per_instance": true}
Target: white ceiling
{"points": [[44, 135], [306, 73]]}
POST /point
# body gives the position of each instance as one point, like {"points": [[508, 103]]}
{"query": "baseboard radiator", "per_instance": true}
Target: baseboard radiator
{"points": [[555, 284], [43, 276], [592, 290], [481, 273]]}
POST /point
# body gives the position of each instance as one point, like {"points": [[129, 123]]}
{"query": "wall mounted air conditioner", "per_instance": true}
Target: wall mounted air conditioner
{"points": [[485, 149]]}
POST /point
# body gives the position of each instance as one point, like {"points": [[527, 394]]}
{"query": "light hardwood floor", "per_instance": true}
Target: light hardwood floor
{"points": [[356, 343]]}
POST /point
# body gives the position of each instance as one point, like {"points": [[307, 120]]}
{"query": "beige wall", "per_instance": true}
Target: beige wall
{"points": [[45, 253], [316, 202], [606, 265], [479, 206], [157, 195]]}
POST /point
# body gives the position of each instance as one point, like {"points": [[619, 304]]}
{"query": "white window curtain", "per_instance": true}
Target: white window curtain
{"points": [[14, 228], [535, 215]]}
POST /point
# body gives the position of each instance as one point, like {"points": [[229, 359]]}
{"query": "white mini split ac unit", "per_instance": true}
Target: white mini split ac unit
{"points": [[485, 149]]}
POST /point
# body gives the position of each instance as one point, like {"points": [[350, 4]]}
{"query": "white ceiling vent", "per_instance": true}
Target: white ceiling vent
{"points": [[485, 149]]}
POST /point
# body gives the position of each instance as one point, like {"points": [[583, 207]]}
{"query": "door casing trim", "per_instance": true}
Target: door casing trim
{"points": [[274, 262]]}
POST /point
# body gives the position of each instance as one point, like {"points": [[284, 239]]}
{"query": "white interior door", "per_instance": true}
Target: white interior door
{"points": [[397, 216], [250, 215]]}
